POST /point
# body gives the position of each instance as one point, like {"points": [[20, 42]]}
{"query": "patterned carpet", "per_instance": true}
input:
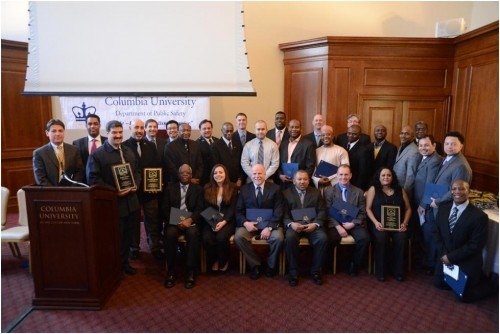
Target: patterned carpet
{"points": [[234, 303]]}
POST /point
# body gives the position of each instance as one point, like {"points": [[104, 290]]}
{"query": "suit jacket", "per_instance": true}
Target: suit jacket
{"points": [[405, 167], [386, 156], [237, 140], [99, 172], [206, 155], [194, 201], [465, 245], [271, 134], [304, 154], [227, 209], [359, 159], [312, 199], [271, 199], [231, 159], [312, 138], [46, 165], [426, 173], [83, 147], [456, 169], [342, 140], [356, 197], [146, 160], [176, 155]]}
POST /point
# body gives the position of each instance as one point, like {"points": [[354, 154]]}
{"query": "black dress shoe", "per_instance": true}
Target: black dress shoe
{"points": [[190, 280], [399, 278], [170, 281], [127, 269], [255, 273], [317, 279], [353, 269], [380, 278], [270, 272], [293, 281]]}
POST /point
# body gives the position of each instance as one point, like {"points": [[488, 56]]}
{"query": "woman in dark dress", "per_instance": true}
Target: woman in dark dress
{"points": [[387, 191], [222, 195]]}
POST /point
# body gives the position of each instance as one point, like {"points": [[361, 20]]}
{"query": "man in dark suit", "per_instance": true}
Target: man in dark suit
{"points": [[279, 132], [99, 171], [52, 160], [421, 131], [382, 151], [259, 194], [342, 139], [183, 195], [204, 142], [299, 197], [315, 136], [359, 158], [461, 234], [87, 145], [354, 226], [183, 151], [241, 136], [145, 153], [172, 128], [298, 150]]}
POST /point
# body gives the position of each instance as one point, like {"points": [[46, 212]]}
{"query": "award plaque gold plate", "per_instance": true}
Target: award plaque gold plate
{"points": [[124, 178]]}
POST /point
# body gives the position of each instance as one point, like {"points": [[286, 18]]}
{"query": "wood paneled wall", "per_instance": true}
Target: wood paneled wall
{"points": [[452, 84], [23, 121]]}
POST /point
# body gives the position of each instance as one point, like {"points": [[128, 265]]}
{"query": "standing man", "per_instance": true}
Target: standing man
{"points": [[279, 132], [353, 226], [87, 145], [407, 158], [52, 160], [259, 194], [359, 158], [296, 198], [382, 151], [226, 153], [298, 150], [315, 136], [151, 127], [172, 127], [242, 136], [204, 142], [182, 151], [145, 154], [99, 171], [461, 234], [260, 150], [420, 131], [330, 153], [342, 140]]}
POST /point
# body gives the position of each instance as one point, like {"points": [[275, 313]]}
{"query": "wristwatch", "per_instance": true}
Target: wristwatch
{"points": [[270, 228]]}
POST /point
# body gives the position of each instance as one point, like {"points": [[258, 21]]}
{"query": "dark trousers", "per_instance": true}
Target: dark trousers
{"points": [[217, 243], [150, 211], [381, 239], [333, 241], [319, 243], [362, 238], [125, 228], [192, 236]]}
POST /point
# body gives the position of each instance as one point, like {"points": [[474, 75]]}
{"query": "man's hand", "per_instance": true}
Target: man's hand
{"points": [[186, 223], [265, 234], [348, 226], [309, 228], [250, 226], [297, 227], [285, 178], [341, 231]]}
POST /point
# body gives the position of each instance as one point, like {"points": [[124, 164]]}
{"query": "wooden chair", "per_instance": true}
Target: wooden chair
{"points": [[253, 241], [349, 240], [5, 202], [17, 234]]}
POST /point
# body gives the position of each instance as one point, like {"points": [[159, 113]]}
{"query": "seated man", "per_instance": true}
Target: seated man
{"points": [[259, 194], [352, 225], [296, 198], [185, 196]]}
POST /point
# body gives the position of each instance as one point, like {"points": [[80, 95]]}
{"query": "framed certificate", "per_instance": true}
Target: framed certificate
{"points": [[124, 178], [153, 179], [391, 217]]}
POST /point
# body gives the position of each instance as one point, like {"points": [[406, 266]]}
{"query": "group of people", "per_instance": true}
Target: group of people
{"points": [[242, 177]]}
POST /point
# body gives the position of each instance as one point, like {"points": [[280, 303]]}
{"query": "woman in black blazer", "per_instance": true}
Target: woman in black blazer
{"points": [[221, 194]]}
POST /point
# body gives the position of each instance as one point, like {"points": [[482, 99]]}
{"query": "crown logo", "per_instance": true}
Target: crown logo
{"points": [[82, 112]]}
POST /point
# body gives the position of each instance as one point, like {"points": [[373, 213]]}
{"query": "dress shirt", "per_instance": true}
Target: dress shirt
{"points": [[98, 142], [460, 208], [350, 145], [250, 154], [291, 146], [334, 154]]}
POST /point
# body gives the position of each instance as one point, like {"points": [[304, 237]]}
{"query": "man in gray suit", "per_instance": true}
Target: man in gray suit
{"points": [[52, 160], [407, 158]]}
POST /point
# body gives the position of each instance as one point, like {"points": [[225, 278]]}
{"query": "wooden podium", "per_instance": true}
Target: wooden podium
{"points": [[74, 247]]}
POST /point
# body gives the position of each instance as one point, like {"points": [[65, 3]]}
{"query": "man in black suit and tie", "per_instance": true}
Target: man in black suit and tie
{"points": [[279, 132], [382, 151], [87, 145], [183, 195], [242, 136], [99, 171], [342, 140], [226, 153], [315, 136], [297, 150], [52, 160], [299, 197], [184, 151], [359, 158], [461, 234], [259, 194], [204, 142]]}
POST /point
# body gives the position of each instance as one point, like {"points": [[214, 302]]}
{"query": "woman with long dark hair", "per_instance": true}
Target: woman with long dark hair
{"points": [[386, 191], [222, 195]]}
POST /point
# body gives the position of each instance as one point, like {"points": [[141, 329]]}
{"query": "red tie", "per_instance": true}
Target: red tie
{"points": [[93, 147]]}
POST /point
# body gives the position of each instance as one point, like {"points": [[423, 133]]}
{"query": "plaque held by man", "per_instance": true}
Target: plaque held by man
{"points": [[153, 180], [124, 178]]}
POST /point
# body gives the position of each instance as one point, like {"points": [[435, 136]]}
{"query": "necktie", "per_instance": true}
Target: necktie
{"points": [[278, 138], [302, 194], [230, 147], [121, 155], [453, 219], [243, 140], [260, 157], [348, 146], [94, 146], [318, 138], [60, 158], [259, 196], [210, 141], [153, 140], [183, 197], [139, 149], [344, 194]]}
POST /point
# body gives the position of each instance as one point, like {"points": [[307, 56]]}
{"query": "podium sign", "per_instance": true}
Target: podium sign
{"points": [[74, 242]]}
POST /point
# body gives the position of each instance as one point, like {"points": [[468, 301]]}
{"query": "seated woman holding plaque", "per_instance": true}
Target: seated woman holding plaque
{"points": [[221, 196], [388, 208]]}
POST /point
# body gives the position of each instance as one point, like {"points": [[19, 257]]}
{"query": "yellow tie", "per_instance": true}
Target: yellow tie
{"points": [[60, 158]]}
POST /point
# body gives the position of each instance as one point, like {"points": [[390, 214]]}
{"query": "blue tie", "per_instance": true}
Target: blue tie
{"points": [[259, 197], [453, 219]]}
